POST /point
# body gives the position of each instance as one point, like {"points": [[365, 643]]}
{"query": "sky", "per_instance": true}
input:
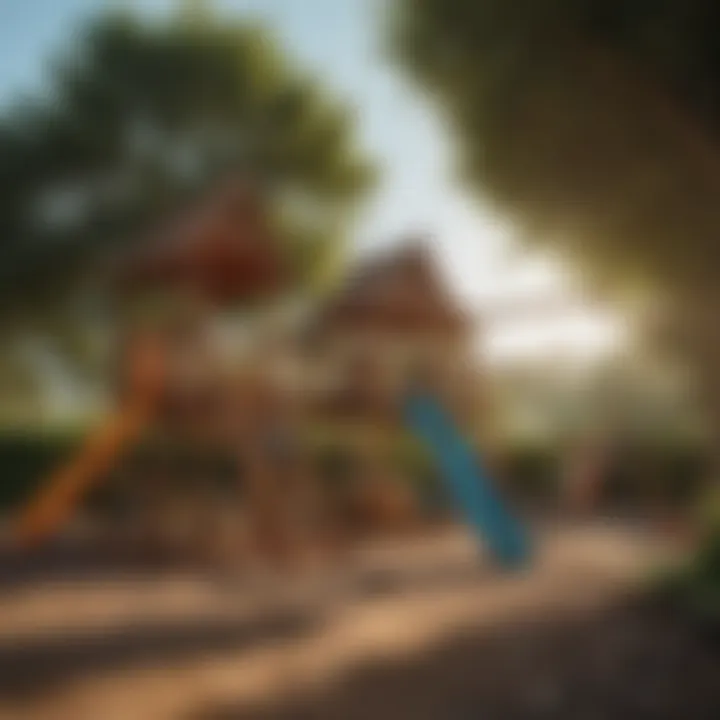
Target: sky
{"points": [[341, 42]]}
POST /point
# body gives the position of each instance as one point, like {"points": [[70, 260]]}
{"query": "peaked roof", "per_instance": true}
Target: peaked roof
{"points": [[221, 246], [401, 289]]}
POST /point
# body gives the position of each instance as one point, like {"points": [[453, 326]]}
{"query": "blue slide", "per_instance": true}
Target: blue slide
{"points": [[468, 483]]}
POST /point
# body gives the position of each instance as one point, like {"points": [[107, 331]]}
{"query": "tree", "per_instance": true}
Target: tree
{"points": [[596, 125], [137, 117]]}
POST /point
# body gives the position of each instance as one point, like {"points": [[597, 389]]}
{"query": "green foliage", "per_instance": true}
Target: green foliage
{"points": [[139, 116], [25, 460], [594, 124], [668, 475], [708, 510], [531, 472], [695, 585]]}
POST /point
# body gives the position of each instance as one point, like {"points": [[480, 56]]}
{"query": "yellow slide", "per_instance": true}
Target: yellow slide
{"points": [[58, 498]]}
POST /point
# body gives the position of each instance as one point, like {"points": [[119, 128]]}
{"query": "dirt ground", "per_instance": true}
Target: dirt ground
{"points": [[416, 630]]}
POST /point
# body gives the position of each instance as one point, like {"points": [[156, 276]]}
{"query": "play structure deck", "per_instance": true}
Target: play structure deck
{"points": [[171, 378]]}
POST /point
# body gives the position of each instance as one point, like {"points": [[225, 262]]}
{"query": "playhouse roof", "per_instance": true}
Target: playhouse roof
{"points": [[400, 290], [221, 246]]}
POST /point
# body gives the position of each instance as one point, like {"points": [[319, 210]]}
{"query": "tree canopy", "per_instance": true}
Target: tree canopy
{"points": [[137, 118], [596, 125], [138, 115]]}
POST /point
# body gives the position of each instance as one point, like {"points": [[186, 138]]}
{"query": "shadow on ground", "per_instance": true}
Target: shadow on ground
{"points": [[48, 661], [78, 562], [32, 667], [632, 661]]}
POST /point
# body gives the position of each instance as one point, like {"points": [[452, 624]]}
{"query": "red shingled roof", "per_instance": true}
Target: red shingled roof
{"points": [[221, 247], [401, 290]]}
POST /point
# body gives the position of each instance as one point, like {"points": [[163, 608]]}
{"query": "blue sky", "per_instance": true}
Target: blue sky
{"points": [[341, 41]]}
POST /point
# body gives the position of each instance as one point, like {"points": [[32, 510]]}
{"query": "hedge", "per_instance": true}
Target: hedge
{"points": [[26, 458], [661, 474]]}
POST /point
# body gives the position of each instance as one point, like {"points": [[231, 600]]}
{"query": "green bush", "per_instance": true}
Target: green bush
{"points": [[694, 587], [336, 465], [26, 458], [707, 561], [414, 463], [670, 474], [530, 472], [661, 475]]}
